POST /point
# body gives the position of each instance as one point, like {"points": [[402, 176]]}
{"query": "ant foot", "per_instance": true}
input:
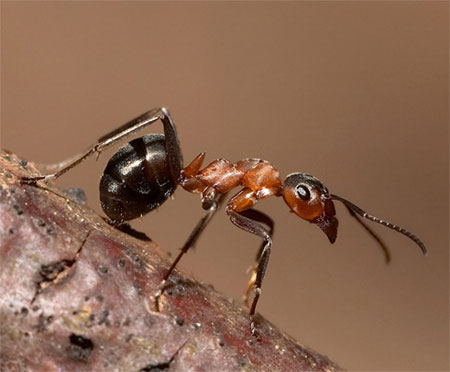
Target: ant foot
{"points": [[253, 329], [162, 287], [32, 181], [156, 300]]}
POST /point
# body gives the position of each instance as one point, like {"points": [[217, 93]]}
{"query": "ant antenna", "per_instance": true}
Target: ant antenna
{"points": [[397, 228], [372, 233]]}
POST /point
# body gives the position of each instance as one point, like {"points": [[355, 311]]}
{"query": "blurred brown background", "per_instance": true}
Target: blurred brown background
{"points": [[355, 93]]}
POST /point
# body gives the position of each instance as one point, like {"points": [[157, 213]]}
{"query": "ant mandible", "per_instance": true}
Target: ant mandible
{"points": [[145, 172]]}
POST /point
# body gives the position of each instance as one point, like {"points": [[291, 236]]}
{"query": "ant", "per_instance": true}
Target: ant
{"points": [[145, 172]]}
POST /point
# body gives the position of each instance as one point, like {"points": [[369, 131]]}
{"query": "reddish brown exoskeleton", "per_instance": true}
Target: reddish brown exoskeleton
{"points": [[141, 175], [304, 194]]}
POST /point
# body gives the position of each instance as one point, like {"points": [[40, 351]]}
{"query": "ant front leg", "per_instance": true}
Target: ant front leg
{"points": [[251, 221], [211, 208], [265, 219], [172, 144]]}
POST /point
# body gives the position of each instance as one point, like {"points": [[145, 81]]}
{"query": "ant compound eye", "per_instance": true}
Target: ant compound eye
{"points": [[303, 192]]}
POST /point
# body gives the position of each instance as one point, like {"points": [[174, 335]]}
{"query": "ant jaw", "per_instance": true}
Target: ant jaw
{"points": [[327, 221], [330, 229]]}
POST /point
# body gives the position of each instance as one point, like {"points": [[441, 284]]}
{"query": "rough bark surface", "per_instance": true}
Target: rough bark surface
{"points": [[77, 295]]}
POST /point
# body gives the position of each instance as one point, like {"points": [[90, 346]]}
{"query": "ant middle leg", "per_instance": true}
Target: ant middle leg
{"points": [[212, 207], [172, 145]]}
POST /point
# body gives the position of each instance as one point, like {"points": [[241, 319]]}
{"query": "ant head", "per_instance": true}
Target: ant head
{"points": [[309, 199]]}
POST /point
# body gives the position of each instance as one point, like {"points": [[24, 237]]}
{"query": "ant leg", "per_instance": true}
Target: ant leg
{"points": [[254, 227], [172, 144], [213, 206], [56, 167], [265, 219]]}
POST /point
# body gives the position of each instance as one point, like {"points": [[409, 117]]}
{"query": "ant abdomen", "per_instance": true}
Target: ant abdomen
{"points": [[137, 179]]}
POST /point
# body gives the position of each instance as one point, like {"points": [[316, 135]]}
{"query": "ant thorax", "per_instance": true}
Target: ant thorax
{"points": [[259, 178]]}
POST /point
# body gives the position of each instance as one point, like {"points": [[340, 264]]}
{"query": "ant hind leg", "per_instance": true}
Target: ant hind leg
{"points": [[172, 145]]}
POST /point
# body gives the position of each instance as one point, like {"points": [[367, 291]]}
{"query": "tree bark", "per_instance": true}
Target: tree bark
{"points": [[77, 295]]}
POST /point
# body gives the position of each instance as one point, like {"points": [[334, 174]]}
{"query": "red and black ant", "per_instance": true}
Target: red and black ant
{"points": [[142, 175]]}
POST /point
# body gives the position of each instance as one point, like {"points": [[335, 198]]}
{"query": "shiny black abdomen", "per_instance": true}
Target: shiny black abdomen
{"points": [[137, 179]]}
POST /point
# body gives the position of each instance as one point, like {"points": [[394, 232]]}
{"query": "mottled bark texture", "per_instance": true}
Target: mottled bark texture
{"points": [[77, 295]]}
